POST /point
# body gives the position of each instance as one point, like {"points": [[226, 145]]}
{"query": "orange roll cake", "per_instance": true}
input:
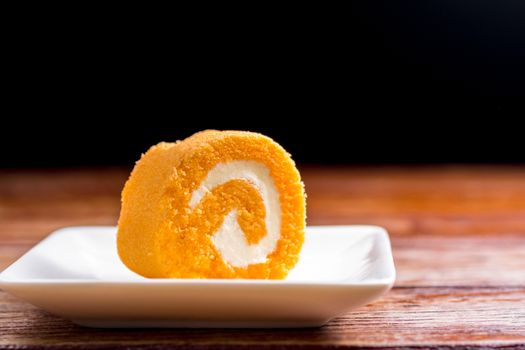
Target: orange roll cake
{"points": [[219, 204]]}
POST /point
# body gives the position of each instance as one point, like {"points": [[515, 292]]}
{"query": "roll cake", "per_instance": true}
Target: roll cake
{"points": [[219, 204]]}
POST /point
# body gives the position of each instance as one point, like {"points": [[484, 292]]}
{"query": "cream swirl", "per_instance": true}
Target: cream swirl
{"points": [[229, 239]]}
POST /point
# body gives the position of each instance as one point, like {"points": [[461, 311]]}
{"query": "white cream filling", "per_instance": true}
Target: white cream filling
{"points": [[229, 238]]}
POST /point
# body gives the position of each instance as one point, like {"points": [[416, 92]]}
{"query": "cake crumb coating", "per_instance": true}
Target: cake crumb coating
{"points": [[161, 236]]}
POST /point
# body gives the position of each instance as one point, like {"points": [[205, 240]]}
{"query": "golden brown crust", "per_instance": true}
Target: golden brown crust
{"points": [[160, 236]]}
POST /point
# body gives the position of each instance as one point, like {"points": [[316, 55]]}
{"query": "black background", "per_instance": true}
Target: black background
{"points": [[375, 82]]}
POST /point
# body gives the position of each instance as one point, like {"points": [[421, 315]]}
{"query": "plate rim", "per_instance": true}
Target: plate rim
{"points": [[387, 282]]}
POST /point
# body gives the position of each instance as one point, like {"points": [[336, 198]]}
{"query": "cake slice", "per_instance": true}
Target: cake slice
{"points": [[219, 204]]}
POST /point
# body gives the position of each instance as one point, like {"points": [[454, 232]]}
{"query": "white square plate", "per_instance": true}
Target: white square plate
{"points": [[76, 273]]}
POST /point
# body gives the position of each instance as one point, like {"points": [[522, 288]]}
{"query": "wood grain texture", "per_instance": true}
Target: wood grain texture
{"points": [[496, 260], [458, 235], [405, 317], [420, 200]]}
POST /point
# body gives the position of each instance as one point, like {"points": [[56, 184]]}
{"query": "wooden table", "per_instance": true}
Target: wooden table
{"points": [[458, 236]]}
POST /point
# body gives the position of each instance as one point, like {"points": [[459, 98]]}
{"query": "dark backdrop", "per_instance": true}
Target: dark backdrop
{"points": [[423, 82]]}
